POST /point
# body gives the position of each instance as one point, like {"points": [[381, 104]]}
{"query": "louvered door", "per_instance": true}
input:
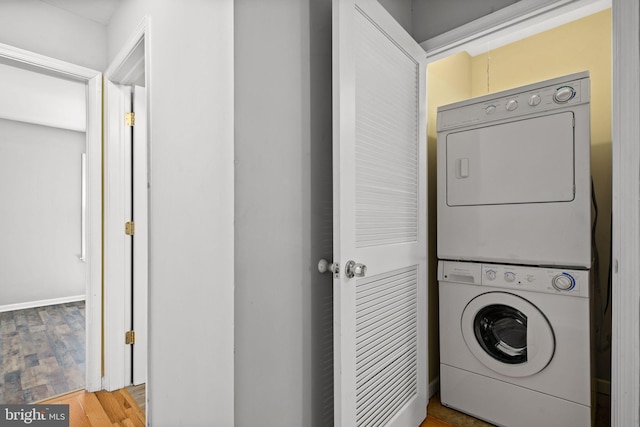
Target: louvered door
{"points": [[380, 335]]}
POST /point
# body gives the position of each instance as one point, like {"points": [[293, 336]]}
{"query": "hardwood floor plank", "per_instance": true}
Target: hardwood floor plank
{"points": [[132, 409], [111, 406], [101, 409], [139, 394], [94, 410], [127, 397], [77, 417], [134, 417], [434, 422]]}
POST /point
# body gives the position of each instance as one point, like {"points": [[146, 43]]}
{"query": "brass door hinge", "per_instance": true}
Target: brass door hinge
{"points": [[130, 118], [130, 337], [129, 228]]}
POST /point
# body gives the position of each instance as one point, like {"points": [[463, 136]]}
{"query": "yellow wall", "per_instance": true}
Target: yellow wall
{"points": [[584, 44], [448, 80]]}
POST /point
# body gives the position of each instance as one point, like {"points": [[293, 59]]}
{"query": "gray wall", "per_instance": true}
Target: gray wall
{"points": [[424, 19], [434, 17], [402, 11], [191, 283], [40, 210], [283, 213], [39, 27]]}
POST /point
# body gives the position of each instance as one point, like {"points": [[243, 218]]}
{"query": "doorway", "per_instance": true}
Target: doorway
{"points": [[126, 215], [75, 312], [512, 65]]}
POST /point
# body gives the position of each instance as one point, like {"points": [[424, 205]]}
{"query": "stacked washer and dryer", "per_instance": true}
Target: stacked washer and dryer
{"points": [[514, 249]]}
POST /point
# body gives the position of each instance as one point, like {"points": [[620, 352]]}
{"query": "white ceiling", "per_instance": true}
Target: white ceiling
{"points": [[95, 10]]}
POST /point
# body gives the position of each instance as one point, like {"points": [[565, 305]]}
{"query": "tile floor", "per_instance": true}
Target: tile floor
{"points": [[42, 352]]}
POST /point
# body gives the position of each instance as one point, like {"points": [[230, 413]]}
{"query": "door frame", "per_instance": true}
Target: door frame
{"points": [[121, 69], [625, 134], [93, 213], [625, 230]]}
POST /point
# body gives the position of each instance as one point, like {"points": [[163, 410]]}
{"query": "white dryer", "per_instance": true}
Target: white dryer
{"points": [[515, 344], [514, 180]]}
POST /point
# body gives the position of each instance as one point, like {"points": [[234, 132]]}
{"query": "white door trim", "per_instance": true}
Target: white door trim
{"points": [[141, 239], [116, 280], [625, 136], [93, 280], [510, 24], [117, 246]]}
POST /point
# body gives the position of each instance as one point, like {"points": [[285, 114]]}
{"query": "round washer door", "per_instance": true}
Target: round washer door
{"points": [[508, 334]]}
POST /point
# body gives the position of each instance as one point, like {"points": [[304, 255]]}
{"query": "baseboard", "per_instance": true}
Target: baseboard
{"points": [[41, 303], [434, 387], [602, 386]]}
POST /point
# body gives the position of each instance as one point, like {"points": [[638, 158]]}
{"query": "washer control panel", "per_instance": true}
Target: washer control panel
{"points": [[536, 279]]}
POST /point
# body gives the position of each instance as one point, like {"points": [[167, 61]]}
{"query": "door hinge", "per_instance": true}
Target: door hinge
{"points": [[130, 337], [130, 118], [129, 228]]}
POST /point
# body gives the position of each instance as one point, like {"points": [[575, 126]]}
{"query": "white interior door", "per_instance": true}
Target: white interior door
{"points": [[126, 253], [379, 166], [140, 238], [117, 245]]}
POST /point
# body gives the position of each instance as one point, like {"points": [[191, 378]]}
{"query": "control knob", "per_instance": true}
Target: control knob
{"points": [[534, 100], [563, 94], [563, 282], [509, 276], [491, 274], [511, 105]]}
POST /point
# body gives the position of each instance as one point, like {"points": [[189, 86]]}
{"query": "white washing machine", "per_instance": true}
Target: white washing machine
{"points": [[515, 344], [514, 181]]}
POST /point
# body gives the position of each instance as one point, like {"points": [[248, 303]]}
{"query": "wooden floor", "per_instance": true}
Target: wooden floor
{"points": [[441, 416], [139, 394], [101, 409], [125, 408], [434, 422]]}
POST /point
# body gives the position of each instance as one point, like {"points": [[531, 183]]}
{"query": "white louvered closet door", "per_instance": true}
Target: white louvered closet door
{"points": [[379, 166]]}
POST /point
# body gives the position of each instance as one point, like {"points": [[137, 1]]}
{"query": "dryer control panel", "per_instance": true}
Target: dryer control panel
{"points": [[545, 96]]}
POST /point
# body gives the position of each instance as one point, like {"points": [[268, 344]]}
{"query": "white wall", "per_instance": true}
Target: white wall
{"points": [[283, 194], [40, 210], [33, 97], [42, 125], [122, 23], [191, 277], [39, 27]]}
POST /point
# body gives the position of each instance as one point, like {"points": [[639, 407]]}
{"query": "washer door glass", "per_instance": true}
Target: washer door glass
{"points": [[502, 332], [508, 334]]}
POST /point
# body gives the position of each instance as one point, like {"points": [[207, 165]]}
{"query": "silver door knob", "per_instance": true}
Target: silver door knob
{"points": [[353, 269], [324, 266]]}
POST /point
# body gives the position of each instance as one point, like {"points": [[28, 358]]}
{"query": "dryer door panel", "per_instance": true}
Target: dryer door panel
{"points": [[527, 161]]}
